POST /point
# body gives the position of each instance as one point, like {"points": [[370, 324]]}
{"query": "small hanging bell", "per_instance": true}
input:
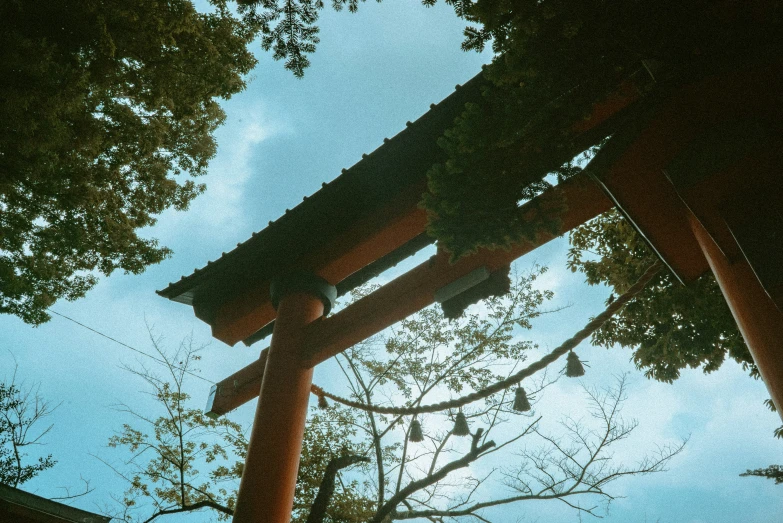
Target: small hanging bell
{"points": [[574, 367], [461, 427], [521, 403], [322, 403], [415, 434]]}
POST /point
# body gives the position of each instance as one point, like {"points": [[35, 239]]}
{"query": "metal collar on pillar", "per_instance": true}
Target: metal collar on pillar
{"points": [[304, 282], [266, 492]]}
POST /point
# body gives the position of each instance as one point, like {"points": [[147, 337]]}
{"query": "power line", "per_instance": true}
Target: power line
{"points": [[134, 349]]}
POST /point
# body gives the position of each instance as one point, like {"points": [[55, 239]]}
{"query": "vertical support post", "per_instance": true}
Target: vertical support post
{"points": [[266, 492], [758, 319]]}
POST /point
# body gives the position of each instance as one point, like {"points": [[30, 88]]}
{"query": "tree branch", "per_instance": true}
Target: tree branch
{"points": [[190, 508], [414, 486], [325, 491]]}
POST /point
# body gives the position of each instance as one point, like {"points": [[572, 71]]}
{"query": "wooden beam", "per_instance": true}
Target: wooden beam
{"points": [[373, 237], [237, 389], [377, 235], [673, 166], [416, 289], [757, 227], [266, 492], [758, 318]]}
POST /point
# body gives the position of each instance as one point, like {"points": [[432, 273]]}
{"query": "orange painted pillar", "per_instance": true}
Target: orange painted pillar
{"points": [[758, 319], [266, 492]]}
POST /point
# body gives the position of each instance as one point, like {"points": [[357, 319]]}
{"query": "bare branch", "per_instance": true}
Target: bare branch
{"points": [[86, 490], [475, 452], [190, 508]]}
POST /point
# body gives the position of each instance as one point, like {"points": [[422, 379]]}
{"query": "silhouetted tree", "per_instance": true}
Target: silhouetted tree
{"points": [[358, 465], [106, 108], [772, 472], [21, 412]]}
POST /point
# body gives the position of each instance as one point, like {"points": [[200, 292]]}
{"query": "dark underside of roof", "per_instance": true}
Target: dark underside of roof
{"points": [[18, 506], [400, 163]]}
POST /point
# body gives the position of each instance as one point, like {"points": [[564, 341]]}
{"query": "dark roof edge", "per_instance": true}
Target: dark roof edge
{"points": [[361, 276], [65, 513], [180, 290]]}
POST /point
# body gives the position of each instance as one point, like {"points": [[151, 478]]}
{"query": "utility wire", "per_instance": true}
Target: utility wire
{"points": [[134, 349], [568, 345]]}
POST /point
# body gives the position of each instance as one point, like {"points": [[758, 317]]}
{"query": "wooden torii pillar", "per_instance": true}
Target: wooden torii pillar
{"points": [[363, 222], [276, 439], [702, 184], [368, 219]]}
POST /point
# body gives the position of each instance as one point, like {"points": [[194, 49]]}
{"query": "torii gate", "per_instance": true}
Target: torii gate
{"points": [[677, 168]]}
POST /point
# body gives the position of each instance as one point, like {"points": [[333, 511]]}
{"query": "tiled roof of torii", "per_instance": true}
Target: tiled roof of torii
{"points": [[400, 162], [338, 231]]}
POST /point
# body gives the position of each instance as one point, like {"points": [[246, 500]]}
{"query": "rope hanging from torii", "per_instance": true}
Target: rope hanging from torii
{"points": [[531, 369]]}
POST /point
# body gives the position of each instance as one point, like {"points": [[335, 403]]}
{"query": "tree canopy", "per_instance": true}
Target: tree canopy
{"points": [[671, 326], [361, 466], [107, 110], [555, 60], [21, 412]]}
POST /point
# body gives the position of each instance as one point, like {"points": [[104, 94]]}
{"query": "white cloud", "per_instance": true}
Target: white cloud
{"points": [[220, 208], [554, 278]]}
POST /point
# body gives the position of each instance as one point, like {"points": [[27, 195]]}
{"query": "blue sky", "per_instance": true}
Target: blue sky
{"points": [[372, 72]]}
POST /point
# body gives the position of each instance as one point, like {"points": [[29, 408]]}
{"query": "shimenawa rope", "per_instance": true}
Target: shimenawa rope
{"points": [[531, 369]]}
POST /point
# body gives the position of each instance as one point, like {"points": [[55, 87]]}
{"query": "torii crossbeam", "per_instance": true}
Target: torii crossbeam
{"points": [[697, 215]]}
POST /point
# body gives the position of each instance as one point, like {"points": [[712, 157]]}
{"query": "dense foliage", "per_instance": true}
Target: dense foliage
{"points": [[401, 476], [330, 433], [106, 108], [555, 60], [20, 415], [670, 326]]}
